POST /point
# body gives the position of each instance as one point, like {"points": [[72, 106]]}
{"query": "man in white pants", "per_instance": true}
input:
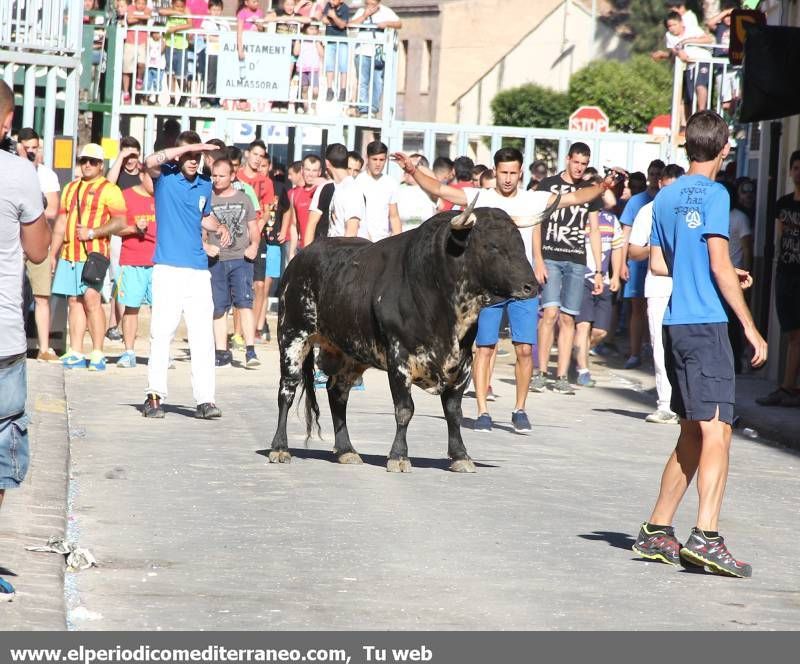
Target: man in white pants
{"points": [[657, 291], [181, 280]]}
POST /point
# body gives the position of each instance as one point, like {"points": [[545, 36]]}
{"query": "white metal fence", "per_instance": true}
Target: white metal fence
{"points": [[52, 26]]}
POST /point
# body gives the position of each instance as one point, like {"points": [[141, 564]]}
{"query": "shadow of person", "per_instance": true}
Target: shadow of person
{"points": [[617, 540]]}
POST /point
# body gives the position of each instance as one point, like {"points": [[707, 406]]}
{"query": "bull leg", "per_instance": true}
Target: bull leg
{"points": [[293, 353], [451, 404], [398, 461], [339, 386]]}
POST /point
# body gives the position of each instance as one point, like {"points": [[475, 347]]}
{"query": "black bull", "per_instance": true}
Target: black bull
{"points": [[408, 305]]}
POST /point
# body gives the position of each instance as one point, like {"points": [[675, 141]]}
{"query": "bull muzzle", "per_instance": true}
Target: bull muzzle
{"points": [[527, 222], [466, 219]]}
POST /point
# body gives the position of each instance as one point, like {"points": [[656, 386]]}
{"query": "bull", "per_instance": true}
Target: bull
{"points": [[408, 305]]}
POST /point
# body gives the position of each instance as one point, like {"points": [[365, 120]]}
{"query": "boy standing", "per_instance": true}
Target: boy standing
{"points": [[689, 242]]}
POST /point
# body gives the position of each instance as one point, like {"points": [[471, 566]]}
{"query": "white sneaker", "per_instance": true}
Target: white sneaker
{"points": [[662, 417]]}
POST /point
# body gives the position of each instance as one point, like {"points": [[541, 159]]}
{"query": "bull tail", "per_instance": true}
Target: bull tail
{"points": [[312, 407]]}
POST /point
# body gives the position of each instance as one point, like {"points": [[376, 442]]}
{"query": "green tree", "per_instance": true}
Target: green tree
{"points": [[531, 106], [631, 92], [645, 20]]}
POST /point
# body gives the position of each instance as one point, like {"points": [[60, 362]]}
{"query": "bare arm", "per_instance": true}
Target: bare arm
{"points": [[747, 252], [253, 233], [311, 227], [616, 265], [658, 266], [331, 17], [57, 239], [351, 227], [636, 252], [115, 224], [597, 251], [113, 173], [51, 209], [539, 268], [154, 161], [394, 219], [730, 286], [35, 238], [429, 184]]}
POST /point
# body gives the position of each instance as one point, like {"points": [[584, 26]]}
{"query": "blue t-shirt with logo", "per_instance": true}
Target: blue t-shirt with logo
{"points": [[684, 214], [181, 205]]}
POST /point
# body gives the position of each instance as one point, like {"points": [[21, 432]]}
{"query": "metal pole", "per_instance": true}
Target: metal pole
{"points": [[593, 33]]}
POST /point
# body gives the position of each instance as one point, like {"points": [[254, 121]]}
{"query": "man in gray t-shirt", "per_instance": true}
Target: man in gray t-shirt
{"points": [[22, 229], [232, 267]]}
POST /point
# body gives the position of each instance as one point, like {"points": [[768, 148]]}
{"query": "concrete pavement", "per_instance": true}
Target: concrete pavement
{"points": [[194, 530]]}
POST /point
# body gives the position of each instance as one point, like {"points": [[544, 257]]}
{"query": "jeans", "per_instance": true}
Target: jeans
{"points": [[155, 80], [564, 286], [14, 449], [365, 70]]}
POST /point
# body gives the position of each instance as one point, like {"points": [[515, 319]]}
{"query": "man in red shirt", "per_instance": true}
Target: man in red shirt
{"points": [[251, 174], [136, 265], [300, 198]]}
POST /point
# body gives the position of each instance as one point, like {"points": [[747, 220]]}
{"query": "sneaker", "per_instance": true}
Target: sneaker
{"points": [[520, 421], [265, 335], [483, 423], [97, 365], [73, 360], [502, 352], [562, 386], [329, 95], [251, 360], [152, 407], [600, 350], [237, 342], [632, 362], [224, 358], [711, 553], [538, 383], [47, 356], [207, 411], [658, 545], [342, 95], [791, 400], [6, 591], [358, 386], [127, 360], [774, 398], [490, 396], [662, 417], [113, 334], [320, 379], [585, 379]]}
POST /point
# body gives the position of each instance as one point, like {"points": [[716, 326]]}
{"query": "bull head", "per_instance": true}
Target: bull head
{"points": [[466, 219], [526, 222]]}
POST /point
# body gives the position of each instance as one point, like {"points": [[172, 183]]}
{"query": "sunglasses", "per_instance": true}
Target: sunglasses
{"points": [[747, 190], [90, 160]]}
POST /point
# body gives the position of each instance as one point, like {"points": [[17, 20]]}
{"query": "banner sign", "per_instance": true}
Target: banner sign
{"points": [[264, 72]]}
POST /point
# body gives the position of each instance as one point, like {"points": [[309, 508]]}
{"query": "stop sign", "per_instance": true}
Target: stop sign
{"points": [[588, 118]]}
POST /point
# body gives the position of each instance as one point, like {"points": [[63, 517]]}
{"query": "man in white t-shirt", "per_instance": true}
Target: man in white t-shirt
{"points": [[370, 58], [380, 193], [657, 291], [39, 273], [522, 206], [347, 209]]}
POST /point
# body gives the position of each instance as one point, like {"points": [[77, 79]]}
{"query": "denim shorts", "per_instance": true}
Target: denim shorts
{"points": [[336, 57], [596, 309], [564, 286], [699, 364], [231, 283], [523, 317], [14, 449]]}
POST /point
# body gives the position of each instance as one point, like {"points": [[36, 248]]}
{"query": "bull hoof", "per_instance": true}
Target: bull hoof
{"points": [[462, 466], [350, 458], [280, 456], [398, 466]]}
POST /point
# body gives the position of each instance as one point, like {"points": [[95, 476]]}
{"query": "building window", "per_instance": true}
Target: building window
{"points": [[402, 58], [425, 68]]}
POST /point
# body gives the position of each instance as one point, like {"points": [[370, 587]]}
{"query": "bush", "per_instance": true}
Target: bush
{"points": [[531, 106]]}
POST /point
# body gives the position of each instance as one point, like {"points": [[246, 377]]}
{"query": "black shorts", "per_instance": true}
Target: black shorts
{"points": [[260, 263], [595, 309], [695, 75], [787, 301], [699, 363]]}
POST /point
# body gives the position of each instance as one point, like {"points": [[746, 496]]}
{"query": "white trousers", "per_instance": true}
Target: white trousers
{"points": [[656, 306], [182, 291]]}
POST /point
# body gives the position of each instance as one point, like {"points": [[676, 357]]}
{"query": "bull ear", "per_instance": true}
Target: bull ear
{"points": [[525, 222], [466, 219]]}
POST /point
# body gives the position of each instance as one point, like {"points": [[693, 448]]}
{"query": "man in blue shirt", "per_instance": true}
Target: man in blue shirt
{"points": [[689, 242], [181, 280]]}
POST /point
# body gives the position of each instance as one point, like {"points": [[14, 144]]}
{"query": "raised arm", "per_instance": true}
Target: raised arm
{"points": [[428, 183], [155, 161]]}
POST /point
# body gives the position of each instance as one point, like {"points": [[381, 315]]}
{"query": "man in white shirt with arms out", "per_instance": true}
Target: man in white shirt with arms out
{"points": [[522, 314], [380, 195]]}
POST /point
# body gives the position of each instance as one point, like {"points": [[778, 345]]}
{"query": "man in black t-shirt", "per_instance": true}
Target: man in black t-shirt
{"points": [[559, 252], [787, 287]]}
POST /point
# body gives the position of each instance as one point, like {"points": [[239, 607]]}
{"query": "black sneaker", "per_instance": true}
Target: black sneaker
{"points": [[207, 411], [329, 95], [113, 334], [711, 553], [152, 406], [265, 335], [224, 358], [659, 545]]}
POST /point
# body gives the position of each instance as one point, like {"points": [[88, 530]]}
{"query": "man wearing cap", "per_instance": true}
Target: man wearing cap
{"points": [[92, 210]]}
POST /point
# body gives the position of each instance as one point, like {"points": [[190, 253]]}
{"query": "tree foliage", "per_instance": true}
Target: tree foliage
{"points": [[631, 92], [646, 22], [531, 105]]}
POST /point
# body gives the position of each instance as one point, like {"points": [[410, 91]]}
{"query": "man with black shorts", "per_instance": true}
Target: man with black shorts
{"points": [[689, 242]]}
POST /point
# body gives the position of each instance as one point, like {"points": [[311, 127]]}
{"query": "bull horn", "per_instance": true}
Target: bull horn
{"points": [[466, 219], [525, 222]]}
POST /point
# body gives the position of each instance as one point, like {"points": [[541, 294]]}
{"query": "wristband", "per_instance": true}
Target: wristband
{"points": [[598, 272]]}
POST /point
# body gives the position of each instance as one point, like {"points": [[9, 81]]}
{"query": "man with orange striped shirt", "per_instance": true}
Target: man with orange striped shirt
{"points": [[92, 210]]}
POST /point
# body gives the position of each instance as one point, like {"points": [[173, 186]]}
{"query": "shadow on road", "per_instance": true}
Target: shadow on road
{"points": [[617, 540], [168, 408], [635, 414], [377, 460]]}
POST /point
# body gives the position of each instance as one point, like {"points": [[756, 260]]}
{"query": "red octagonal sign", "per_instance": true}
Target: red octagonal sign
{"points": [[588, 118]]}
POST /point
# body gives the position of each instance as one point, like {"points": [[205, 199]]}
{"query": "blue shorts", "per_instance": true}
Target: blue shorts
{"points": [[699, 364], [134, 286], [564, 286], [231, 283], [336, 56], [14, 448], [68, 279], [634, 287], [274, 260], [596, 309], [523, 318]]}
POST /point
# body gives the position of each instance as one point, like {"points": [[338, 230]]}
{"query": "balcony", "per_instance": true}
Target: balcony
{"points": [[41, 26]]}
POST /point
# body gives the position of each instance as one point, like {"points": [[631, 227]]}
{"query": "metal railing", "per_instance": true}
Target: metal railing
{"points": [[49, 26], [294, 72]]}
